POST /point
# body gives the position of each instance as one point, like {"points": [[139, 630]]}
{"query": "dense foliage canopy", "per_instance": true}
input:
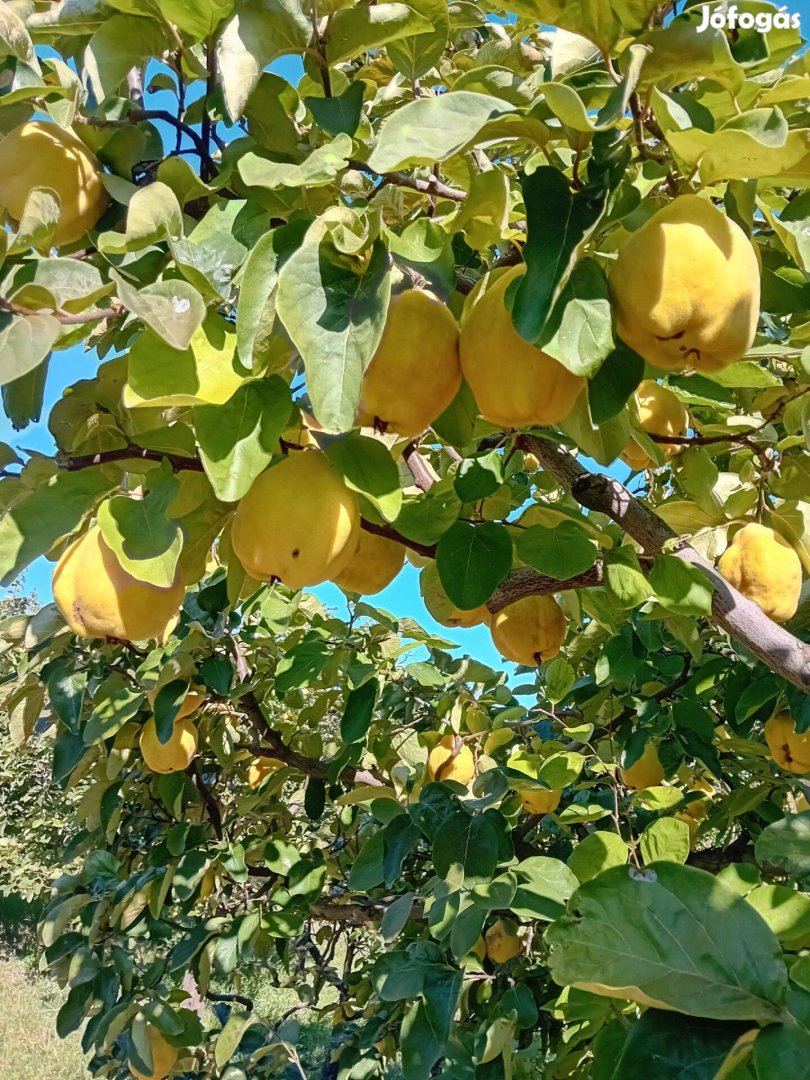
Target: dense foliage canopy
{"points": [[481, 260]]}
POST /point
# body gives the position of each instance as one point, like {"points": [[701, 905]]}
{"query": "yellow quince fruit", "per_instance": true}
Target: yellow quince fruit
{"points": [[374, 565], [789, 750], [503, 942], [173, 756], [298, 524], [685, 288], [515, 384], [260, 768], [659, 412], [530, 630], [98, 598], [646, 772], [193, 700], [445, 763], [43, 155], [537, 801], [763, 566], [415, 372]]}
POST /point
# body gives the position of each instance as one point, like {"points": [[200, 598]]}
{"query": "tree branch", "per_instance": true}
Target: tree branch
{"points": [[178, 462], [359, 913], [136, 116], [211, 804], [742, 619], [433, 186], [277, 748], [67, 318], [527, 582], [422, 476]]}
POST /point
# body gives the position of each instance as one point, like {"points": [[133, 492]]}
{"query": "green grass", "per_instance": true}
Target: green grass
{"points": [[30, 1049]]}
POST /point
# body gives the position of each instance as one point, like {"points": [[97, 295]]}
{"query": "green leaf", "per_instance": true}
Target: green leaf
{"points": [[785, 846], [154, 216], [358, 712], [144, 540], [559, 679], [23, 398], [318, 169], [593, 19], [558, 225], [334, 309], [427, 517], [673, 937], [433, 129], [681, 587], [118, 703], [358, 29], [33, 524], [396, 917], [197, 18], [545, 886], [604, 441], [674, 1047], [614, 383], [259, 32], [785, 910], [231, 1035], [597, 852], [338, 115], [579, 332], [237, 440], [561, 552], [120, 44], [781, 1051], [25, 341], [624, 578], [204, 373], [479, 477], [468, 841], [472, 561], [737, 153], [173, 310], [367, 870], [419, 1045], [665, 840], [681, 54], [413, 56], [367, 467]]}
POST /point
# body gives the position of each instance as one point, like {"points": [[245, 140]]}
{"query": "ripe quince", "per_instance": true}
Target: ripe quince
{"points": [[515, 384], [173, 756], [415, 372], [440, 605], [443, 764], [537, 801], [763, 566], [164, 1057], [789, 750], [44, 155], [530, 630], [374, 565], [98, 598], [260, 768], [685, 288], [503, 942], [646, 772], [299, 523], [660, 412]]}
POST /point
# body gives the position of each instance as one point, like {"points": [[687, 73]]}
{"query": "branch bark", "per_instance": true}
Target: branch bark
{"points": [[276, 747], [130, 453], [741, 619], [434, 186]]}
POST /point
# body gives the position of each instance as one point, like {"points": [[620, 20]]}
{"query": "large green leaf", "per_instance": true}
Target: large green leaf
{"points": [[357, 29], [367, 467], [237, 440], [560, 552], [785, 846], [414, 55], [673, 937], [173, 310], [145, 541], [259, 32], [197, 18], [670, 1046], [334, 308], [33, 524], [781, 1051], [433, 129], [319, 168], [119, 45], [25, 341], [472, 561]]}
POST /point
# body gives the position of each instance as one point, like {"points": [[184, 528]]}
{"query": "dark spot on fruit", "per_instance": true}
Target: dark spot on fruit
{"points": [[538, 658], [296, 552]]}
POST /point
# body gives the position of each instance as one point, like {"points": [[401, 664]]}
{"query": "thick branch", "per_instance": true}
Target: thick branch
{"points": [[433, 186], [526, 582], [136, 116], [66, 318], [359, 913], [742, 619], [277, 748], [128, 453], [391, 534]]}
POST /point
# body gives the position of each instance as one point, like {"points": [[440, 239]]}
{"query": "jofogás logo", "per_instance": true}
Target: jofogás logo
{"points": [[732, 19]]}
